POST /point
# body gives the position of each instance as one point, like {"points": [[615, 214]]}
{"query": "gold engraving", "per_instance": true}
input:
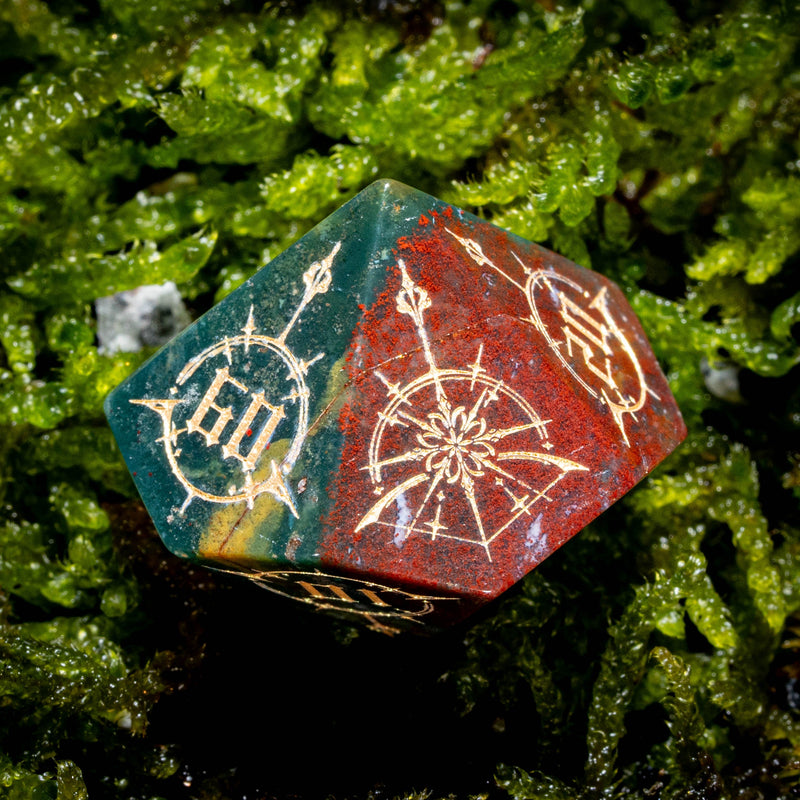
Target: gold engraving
{"points": [[381, 607], [225, 415], [593, 344], [276, 414], [454, 445], [257, 422], [319, 591], [475, 252]]}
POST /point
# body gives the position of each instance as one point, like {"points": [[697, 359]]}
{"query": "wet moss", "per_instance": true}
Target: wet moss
{"points": [[657, 654]]}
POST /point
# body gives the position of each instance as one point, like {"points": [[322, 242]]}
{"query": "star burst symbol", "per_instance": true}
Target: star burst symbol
{"points": [[468, 479]]}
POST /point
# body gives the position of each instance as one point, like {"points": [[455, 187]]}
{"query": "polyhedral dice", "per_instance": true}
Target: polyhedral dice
{"points": [[397, 418]]}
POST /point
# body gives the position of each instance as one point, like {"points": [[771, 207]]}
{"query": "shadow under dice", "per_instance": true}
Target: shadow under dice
{"points": [[398, 417]]}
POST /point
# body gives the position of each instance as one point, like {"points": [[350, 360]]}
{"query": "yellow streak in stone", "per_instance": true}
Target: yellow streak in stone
{"points": [[240, 534]]}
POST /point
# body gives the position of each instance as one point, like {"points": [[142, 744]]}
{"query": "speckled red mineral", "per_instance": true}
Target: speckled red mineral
{"points": [[399, 417]]}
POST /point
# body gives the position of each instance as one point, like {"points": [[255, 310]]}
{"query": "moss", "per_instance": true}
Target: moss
{"points": [[654, 656]]}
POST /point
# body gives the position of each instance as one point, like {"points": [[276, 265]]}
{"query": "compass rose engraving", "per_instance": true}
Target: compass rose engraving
{"points": [[228, 404], [456, 453]]}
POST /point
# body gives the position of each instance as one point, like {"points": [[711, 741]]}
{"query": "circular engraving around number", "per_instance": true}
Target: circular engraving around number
{"points": [[237, 415]]}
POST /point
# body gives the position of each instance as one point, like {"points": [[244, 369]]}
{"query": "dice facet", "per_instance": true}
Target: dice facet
{"points": [[398, 417]]}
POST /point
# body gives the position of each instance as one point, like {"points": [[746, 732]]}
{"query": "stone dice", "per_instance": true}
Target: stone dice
{"points": [[397, 418]]}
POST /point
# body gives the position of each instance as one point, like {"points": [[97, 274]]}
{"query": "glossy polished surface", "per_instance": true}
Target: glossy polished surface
{"points": [[398, 417]]}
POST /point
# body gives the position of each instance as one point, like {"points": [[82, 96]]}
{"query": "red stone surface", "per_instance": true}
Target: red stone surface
{"points": [[501, 398]]}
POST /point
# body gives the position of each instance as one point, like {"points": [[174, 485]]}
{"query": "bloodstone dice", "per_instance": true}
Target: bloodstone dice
{"points": [[398, 417]]}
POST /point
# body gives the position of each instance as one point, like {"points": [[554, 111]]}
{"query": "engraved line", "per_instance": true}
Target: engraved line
{"points": [[421, 530], [468, 485], [476, 367], [473, 247], [542, 495], [417, 454], [523, 455], [317, 279], [489, 465], [526, 269], [374, 513], [437, 479], [248, 330], [413, 300], [496, 434], [421, 424]]}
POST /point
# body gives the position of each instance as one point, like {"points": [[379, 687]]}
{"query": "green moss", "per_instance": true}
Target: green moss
{"points": [[147, 140]]}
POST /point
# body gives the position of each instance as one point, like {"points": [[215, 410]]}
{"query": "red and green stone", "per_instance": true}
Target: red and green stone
{"points": [[397, 418]]}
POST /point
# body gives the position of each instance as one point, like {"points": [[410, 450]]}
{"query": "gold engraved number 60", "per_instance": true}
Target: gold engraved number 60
{"points": [[238, 356]]}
